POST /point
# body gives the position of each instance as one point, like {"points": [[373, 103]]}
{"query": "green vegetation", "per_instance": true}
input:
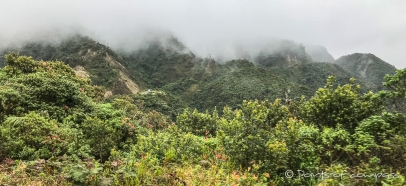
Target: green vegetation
{"points": [[158, 65], [77, 51], [57, 128], [285, 53], [187, 80], [195, 121], [395, 91]]}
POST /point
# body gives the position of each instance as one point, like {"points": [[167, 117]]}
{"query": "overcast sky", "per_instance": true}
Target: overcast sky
{"points": [[213, 26]]}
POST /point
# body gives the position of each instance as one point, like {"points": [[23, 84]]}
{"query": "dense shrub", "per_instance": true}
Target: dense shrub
{"points": [[171, 147], [342, 105], [29, 137], [245, 133], [198, 123], [58, 129]]}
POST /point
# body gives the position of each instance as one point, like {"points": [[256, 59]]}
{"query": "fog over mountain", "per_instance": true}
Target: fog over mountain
{"points": [[319, 53], [225, 30]]}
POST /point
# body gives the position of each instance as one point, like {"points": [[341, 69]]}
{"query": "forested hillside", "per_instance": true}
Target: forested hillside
{"points": [[58, 129], [283, 71], [79, 113], [285, 53], [91, 58]]}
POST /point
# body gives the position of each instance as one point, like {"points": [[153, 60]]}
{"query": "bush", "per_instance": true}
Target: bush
{"points": [[101, 136], [245, 133], [29, 137], [172, 147], [342, 105], [198, 123]]}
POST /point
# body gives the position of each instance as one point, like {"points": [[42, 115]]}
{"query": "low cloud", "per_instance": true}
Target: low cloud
{"points": [[223, 29]]}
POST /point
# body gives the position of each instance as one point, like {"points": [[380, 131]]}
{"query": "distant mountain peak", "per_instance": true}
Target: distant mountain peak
{"points": [[366, 66], [319, 53], [284, 53]]}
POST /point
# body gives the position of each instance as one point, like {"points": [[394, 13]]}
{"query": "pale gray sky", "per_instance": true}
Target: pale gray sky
{"points": [[214, 26]]}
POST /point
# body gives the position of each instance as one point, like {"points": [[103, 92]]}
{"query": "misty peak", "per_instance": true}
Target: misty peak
{"points": [[366, 66], [319, 53]]}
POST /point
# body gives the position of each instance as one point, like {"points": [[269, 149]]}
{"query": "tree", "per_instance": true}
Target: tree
{"points": [[343, 105], [16, 64], [245, 133], [101, 136], [26, 137], [48, 86], [201, 124], [396, 93], [12, 102]]}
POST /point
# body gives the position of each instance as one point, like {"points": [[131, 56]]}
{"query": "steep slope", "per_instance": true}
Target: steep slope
{"points": [[285, 53], [204, 83], [314, 75], [367, 67], [90, 59], [236, 80], [159, 63], [284, 70], [233, 82], [319, 54]]}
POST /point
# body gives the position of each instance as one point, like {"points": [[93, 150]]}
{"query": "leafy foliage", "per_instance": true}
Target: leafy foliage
{"points": [[396, 90], [76, 50], [198, 123], [26, 137], [340, 106], [245, 133], [57, 129]]}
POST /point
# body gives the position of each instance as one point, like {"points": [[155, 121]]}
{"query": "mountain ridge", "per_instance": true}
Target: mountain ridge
{"points": [[319, 53], [100, 63], [167, 65], [366, 66]]}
